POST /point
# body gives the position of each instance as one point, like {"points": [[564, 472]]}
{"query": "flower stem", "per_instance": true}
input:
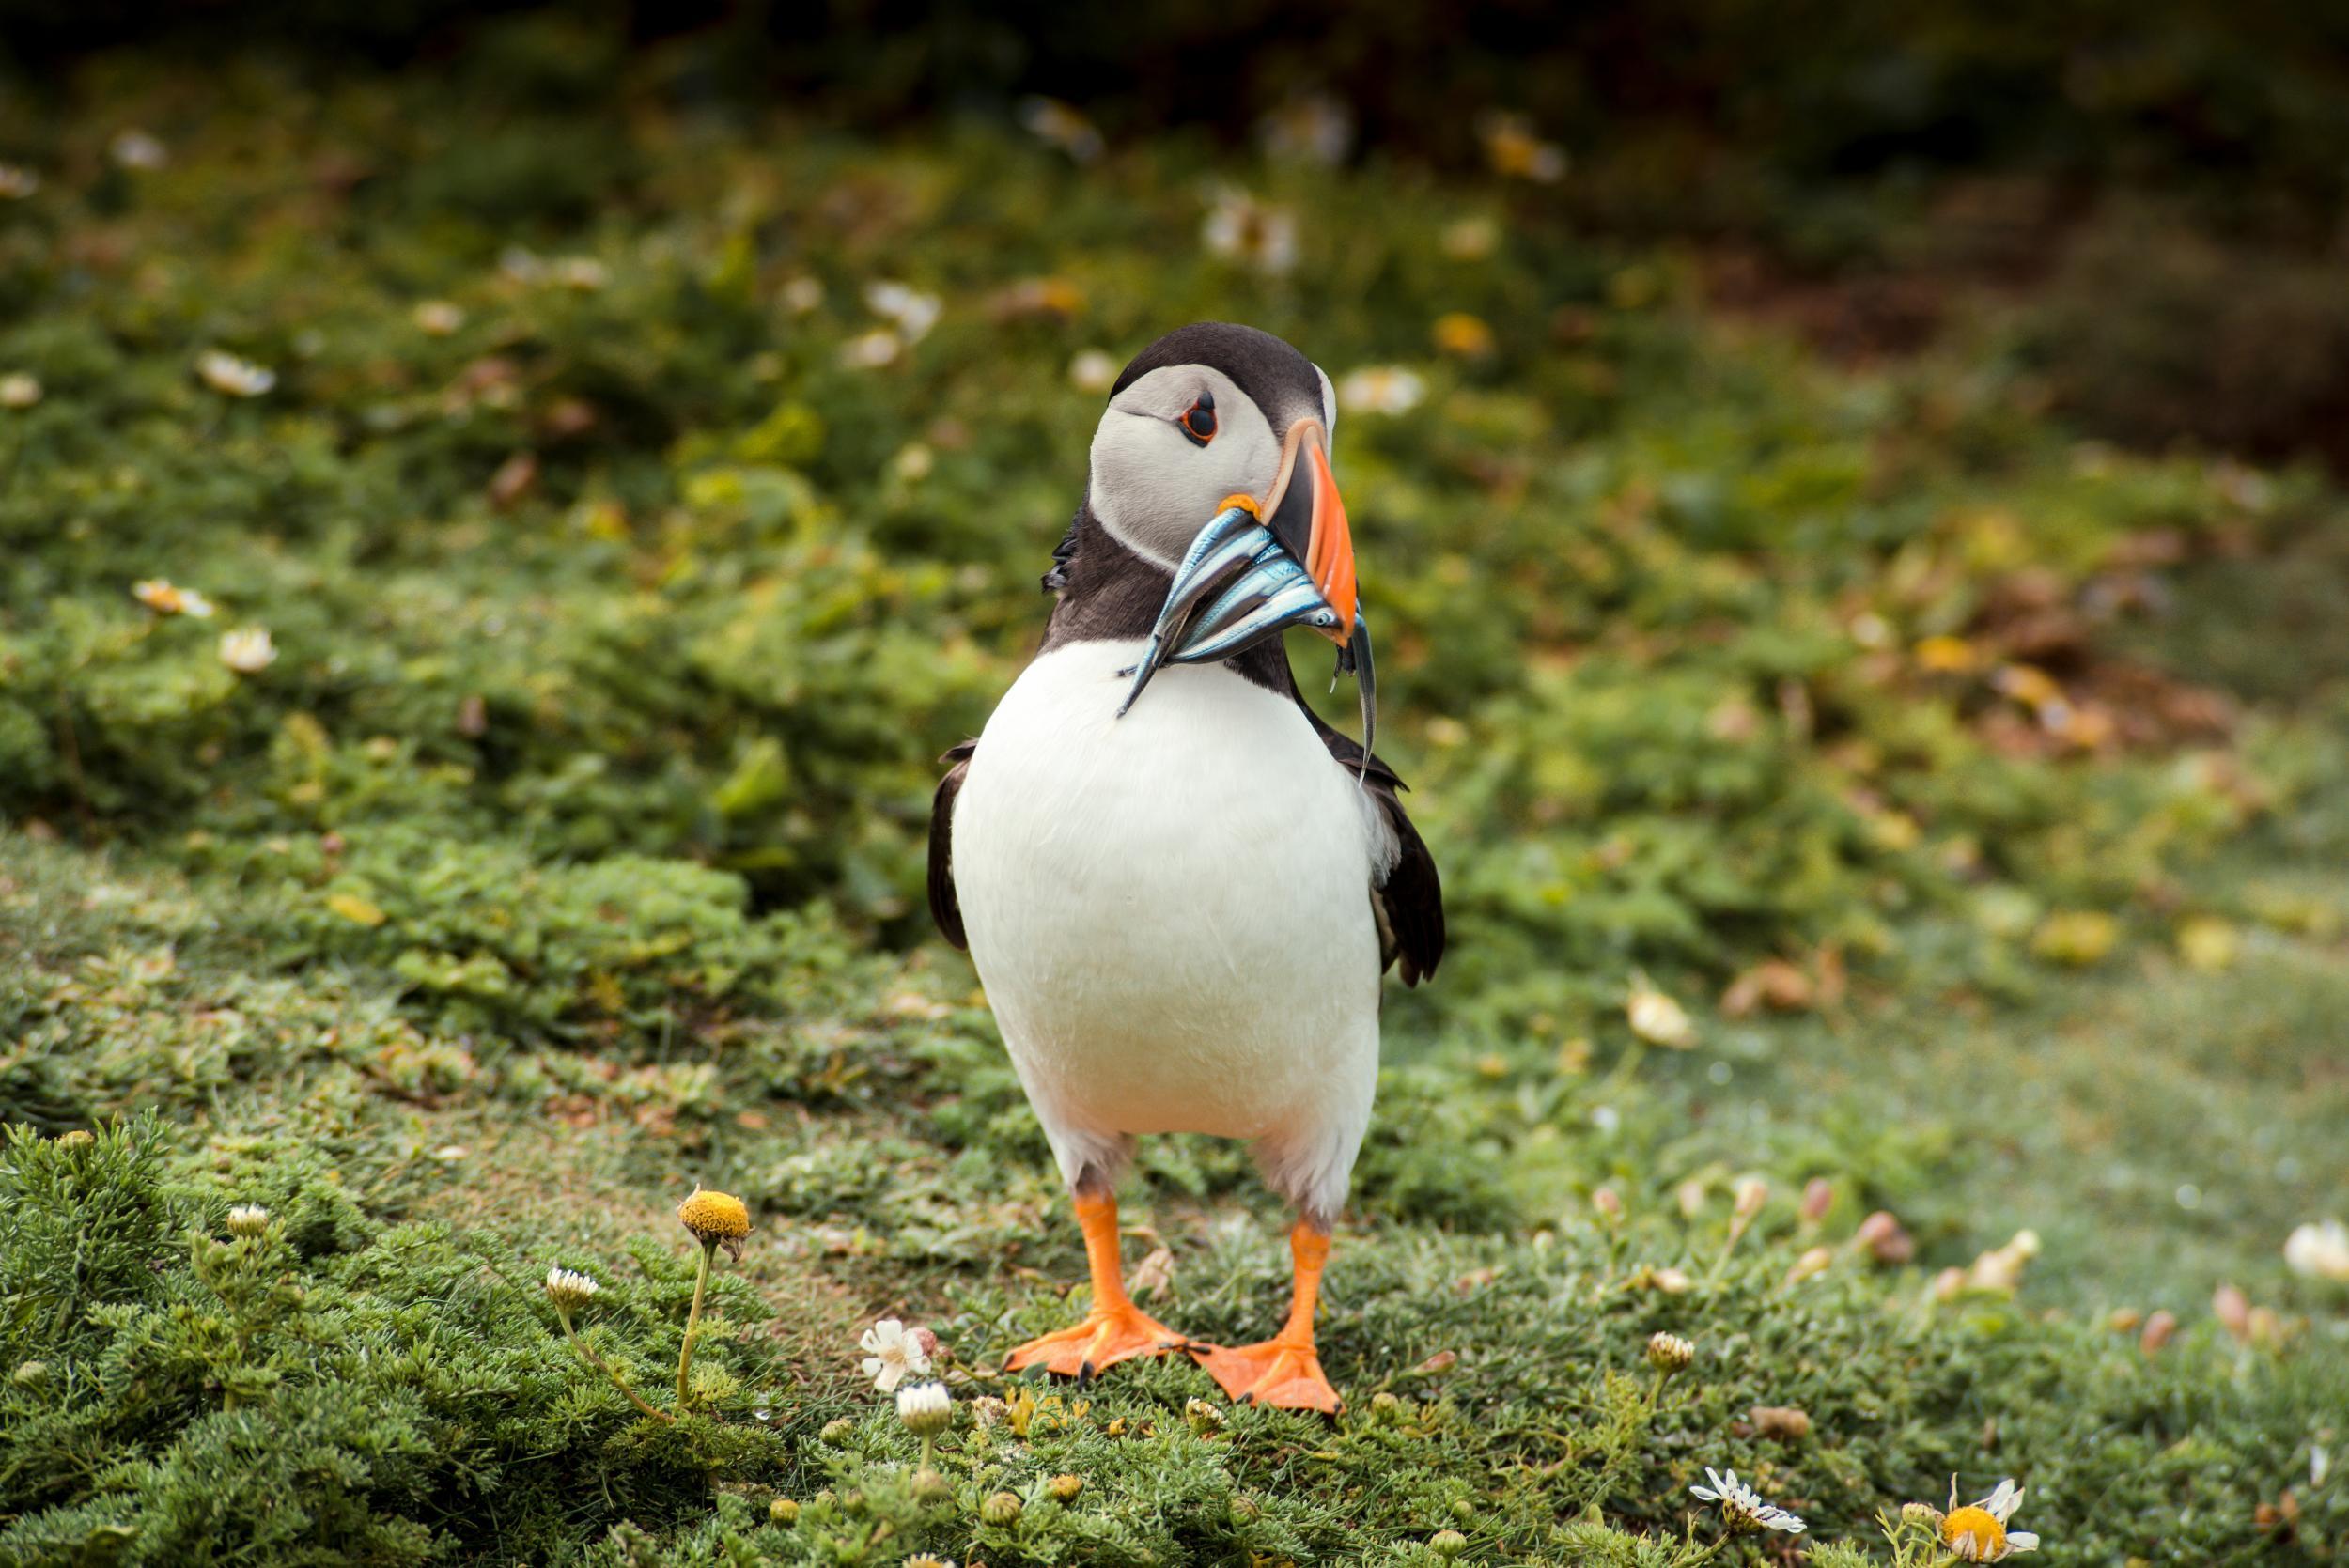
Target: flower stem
{"points": [[600, 1365], [692, 1321], [1737, 1234]]}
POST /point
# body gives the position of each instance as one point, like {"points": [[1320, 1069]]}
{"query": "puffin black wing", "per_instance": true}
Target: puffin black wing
{"points": [[1409, 899], [943, 906]]}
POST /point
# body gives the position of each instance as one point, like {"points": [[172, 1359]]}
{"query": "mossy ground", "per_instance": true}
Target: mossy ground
{"points": [[568, 854]]}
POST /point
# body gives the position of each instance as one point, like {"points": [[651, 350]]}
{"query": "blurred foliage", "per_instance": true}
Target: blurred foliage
{"points": [[626, 558], [1702, 656]]}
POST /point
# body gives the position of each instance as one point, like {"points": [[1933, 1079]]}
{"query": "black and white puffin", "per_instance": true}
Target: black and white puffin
{"points": [[1181, 901]]}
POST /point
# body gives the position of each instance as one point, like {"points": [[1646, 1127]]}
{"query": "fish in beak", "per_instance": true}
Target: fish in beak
{"points": [[1259, 567]]}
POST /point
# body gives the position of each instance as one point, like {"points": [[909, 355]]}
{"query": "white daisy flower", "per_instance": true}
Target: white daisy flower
{"points": [[1658, 1020], [1381, 389], [914, 312], [583, 273], [136, 150], [1742, 1507], [1316, 128], [892, 1353], [926, 1408], [1255, 233], [248, 650], [2319, 1250], [238, 378], [871, 350], [1978, 1533], [248, 1220], [568, 1289], [1091, 371], [1063, 125], [167, 598]]}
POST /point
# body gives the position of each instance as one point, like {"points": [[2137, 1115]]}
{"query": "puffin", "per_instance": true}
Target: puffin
{"points": [[1180, 887]]}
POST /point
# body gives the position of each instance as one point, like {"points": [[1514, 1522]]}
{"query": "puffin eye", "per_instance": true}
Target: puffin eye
{"points": [[1198, 421]]}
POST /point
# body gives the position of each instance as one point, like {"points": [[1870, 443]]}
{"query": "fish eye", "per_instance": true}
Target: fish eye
{"points": [[1198, 421]]}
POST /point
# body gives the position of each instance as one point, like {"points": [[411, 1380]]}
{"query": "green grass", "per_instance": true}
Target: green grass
{"points": [[568, 854]]}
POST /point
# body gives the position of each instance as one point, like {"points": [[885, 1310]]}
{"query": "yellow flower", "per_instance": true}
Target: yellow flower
{"points": [[1458, 332], [1947, 655], [1513, 148], [716, 1220], [2078, 938], [1978, 1533], [165, 598]]}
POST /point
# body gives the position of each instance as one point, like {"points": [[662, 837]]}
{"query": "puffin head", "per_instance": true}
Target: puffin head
{"points": [[1212, 416]]}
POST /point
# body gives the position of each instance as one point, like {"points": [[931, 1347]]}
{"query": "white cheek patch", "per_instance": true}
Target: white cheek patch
{"points": [[1153, 488]]}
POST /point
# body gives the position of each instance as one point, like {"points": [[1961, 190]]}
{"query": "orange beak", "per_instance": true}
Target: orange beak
{"points": [[1307, 515]]}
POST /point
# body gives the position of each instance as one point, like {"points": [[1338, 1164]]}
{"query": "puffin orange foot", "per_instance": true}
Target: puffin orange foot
{"points": [[1283, 1373], [1107, 1336]]}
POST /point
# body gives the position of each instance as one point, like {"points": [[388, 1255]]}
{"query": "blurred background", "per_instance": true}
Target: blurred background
{"points": [[501, 509]]}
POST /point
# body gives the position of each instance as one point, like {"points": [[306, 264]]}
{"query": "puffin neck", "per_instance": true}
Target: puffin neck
{"points": [[1108, 593]]}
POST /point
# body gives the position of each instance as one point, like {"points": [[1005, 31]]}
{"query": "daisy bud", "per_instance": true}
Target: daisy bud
{"points": [[1447, 1544], [1669, 1353], [1750, 1193], [926, 1408], [1385, 1405], [1204, 1419], [2158, 1329], [1064, 1488], [1816, 1261], [925, 1338], [1948, 1284], [2233, 1309], [1818, 1196], [568, 1290], [837, 1431], [1001, 1509], [1884, 1238], [31, 1375], [1921, 1512], [930, 1487], [1780, 1420], [1672, 1281], [1609, 1203], [784, 1512], [248, 1220], [1690, 1195]]}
